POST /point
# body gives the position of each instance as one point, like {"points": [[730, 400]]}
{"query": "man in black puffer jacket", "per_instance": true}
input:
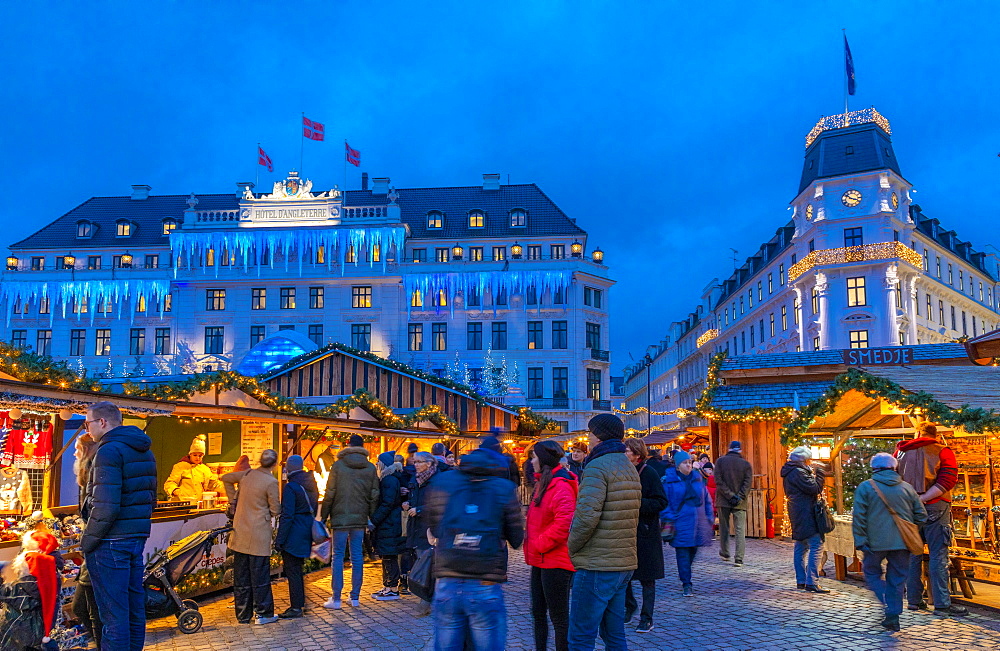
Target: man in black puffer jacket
{"points": [[473, 513], [117, 507]]}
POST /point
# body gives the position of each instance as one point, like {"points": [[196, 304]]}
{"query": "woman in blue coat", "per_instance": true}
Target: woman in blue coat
{"points": [[387, 522], [299, 499], [689, 508]]}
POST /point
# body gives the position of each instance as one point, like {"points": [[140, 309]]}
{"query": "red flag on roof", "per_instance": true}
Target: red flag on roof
{"points": [[312, 129], [264, 159], [353, 155]]}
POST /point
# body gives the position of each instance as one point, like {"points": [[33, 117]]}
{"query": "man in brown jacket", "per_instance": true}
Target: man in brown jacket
{"points": [[254, 504], [602, 539]]}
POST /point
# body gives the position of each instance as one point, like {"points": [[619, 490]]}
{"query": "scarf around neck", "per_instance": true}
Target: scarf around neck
{"points": [[692, 495], [424, 475], [605, 447]]}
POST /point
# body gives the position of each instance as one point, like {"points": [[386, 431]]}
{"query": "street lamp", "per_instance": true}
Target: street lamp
{"points": [[576, 248], [456, 252], [69, 261], [126, 260], [649, 413], [516, 250], [598, 256], [12, 263]]}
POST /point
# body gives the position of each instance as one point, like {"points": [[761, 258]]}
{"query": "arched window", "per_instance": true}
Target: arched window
{"points": [[435, 219], [169, 224], [84, 229], [518, 218], [477, 219], [124, 228]]}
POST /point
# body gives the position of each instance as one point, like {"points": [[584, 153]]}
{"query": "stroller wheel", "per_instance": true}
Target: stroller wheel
{"points": [[189, 621], [190, 604]]}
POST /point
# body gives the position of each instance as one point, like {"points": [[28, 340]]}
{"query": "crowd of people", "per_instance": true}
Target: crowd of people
{"points": [[596, 524]]}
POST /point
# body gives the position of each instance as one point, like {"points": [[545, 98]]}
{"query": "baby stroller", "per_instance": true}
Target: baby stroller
{"points": [[167, 568]]}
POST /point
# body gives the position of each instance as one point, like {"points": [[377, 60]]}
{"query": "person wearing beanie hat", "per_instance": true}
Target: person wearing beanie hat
{"points": [[733, 478], [387, 524], [190, 477], [299, 500], [30, 590], [492, 444], [352, 495], [689, 510], [803, 484], [602, 538]]}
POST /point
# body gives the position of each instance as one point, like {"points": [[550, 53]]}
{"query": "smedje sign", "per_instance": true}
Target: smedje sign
{"points": [[878, 356]]}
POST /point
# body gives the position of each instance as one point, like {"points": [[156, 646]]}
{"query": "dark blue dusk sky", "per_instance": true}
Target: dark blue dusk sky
{"points": [[671, 131]]}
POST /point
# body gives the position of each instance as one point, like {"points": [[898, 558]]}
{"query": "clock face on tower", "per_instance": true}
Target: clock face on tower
{"points": [[851, 198], [895, 200], [809, 212]]}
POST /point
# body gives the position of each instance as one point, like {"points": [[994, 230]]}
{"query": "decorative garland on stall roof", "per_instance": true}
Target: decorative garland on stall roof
{"points": [[972, 420], [704, 409], [27, 366]]}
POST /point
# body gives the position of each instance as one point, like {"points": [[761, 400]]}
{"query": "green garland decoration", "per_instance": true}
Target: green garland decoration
{"points": [[972, 420], [703, 406], [42, 369], [532, 424], [368, 356]]}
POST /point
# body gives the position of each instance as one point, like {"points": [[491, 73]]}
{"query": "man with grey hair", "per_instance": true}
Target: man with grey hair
{"points": [[803, 483], [254, 505], [117, 507], [878, 537]]}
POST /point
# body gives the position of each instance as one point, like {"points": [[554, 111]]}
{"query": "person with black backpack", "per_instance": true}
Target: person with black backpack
{"points": [[472, 515]]}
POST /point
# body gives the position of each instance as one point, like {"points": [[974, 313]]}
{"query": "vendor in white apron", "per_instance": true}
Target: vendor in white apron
{"points": [[190, 477]]}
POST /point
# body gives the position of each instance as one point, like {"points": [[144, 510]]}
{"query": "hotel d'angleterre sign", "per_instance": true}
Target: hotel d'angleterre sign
{"points": [[291, 201]]}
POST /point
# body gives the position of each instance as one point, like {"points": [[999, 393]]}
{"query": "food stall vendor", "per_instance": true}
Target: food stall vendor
{"points": [[190, 476]]}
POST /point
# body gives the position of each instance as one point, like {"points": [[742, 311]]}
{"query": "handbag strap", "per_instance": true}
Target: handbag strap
{"points": [[882, 495]]}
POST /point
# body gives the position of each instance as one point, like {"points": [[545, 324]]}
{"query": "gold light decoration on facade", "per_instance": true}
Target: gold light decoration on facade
{"points": [[126, 260], [842, 120], [456, 252], [576, 248], [69, 261], [863, 253], [516, 250], [706, 337], [12, 262], [598, 255]]}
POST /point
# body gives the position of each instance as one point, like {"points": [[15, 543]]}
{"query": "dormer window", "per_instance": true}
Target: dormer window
{"points": [[124, 228], [169, 224], [84, 229], [477, 219], [435, 219], [518, 218]]}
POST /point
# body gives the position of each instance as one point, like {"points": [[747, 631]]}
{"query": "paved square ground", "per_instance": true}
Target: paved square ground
{"points": [[753, 607]]}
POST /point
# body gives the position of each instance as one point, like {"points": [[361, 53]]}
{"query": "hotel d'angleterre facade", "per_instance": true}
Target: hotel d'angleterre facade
{"points": [[466, 282], [858, 266]]}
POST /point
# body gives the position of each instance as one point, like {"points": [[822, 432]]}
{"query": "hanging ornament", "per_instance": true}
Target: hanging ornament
{"points": [[65, 414], [15, 413]]}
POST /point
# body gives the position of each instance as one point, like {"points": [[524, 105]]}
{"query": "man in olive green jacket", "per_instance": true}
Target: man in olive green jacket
{"points": [[878, 537], [352, 495], [602, 539]]}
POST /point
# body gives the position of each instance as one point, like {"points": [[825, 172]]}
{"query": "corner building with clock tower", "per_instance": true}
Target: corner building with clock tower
{"points": [[858, 266]]}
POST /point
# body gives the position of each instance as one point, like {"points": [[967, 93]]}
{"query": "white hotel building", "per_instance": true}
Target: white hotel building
{"points": [[859, 265], [432, 277]]}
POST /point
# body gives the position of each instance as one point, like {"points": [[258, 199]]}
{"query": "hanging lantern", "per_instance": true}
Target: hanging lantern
{"points": [[576, 248], [598, 256], [12, 263], [516, 250], [456, 252], [69, 261], [65, 414], [126, 260], [15, 413]]}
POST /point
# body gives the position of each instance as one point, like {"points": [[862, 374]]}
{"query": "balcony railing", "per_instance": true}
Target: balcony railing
{"points": [[216, 216], [548, 403], [863, 253], [602, 405], [365, 212], [600, 355]]}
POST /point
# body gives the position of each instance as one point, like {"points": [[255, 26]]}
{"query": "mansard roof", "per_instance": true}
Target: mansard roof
{"points": [[544, 217], [949, 239], [848, 150]]}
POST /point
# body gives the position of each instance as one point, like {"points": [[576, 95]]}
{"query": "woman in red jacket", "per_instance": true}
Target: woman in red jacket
{"points": [[549, 517]]}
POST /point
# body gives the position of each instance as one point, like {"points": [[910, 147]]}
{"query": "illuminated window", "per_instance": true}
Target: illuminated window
{"points": [[784, 317], [124, 228], [439, 336], [760, 290], [815, 301], [316, 298], [536, 338], [215, 299], [169, 224], [419, 255], [859, 338], [475, 253], [930, 313], [558, 251], [84, 229], [152, 261], [140, 304], [441, 255], [93, 262], [287, 298], [499, 252], [518, 218], [350, 256], [416, 299], [321, 255], [102, 342], [594, 383], [477, 219], [258, 298], [415, 336], [38, 264], [951, 276], [361, 296], [435, 219], [43, 342], [440, 299], [856, 292], [772, 324], [534, 252]]}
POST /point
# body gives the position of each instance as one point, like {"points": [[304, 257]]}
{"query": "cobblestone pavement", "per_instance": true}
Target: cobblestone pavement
{"points": [[753, 607]]}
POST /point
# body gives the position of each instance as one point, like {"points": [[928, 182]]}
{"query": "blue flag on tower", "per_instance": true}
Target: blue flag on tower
{"points": [[849, 65]]}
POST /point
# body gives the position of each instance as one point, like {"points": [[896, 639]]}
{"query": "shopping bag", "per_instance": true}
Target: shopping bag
{"points": [[421, 577], [321, 551], [319, 532]]}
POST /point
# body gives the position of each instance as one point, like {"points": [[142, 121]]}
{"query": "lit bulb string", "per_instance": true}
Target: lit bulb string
{"points": [[680, 411]]}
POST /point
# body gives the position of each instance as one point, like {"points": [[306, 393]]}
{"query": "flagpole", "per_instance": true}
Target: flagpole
{"points": [[846, 80], [302, 142], [345, 166]]}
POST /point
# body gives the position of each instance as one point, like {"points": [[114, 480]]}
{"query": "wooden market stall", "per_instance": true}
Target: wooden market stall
{"points": [[848, 406]]}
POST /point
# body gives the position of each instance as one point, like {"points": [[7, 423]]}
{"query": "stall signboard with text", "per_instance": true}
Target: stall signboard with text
{"points": [[878, 356], [254, 439]]}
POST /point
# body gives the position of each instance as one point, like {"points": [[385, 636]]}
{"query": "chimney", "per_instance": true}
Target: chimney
{"points": [[491, 181], [380, 185], [364, 180], [140, 192], [242, 187]]}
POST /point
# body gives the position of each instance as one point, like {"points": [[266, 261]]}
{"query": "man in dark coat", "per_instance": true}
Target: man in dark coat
{"points": [[426, 466], [470, 563], [649, 544], [803, 484], [299, 500], [118, 509], [656, 462], [733, 478], [492, 444], [387, 524]]}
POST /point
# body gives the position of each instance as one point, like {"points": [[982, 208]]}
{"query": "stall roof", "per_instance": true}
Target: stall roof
{"points": [[766, 396], [952, 353], [985, 348], [956, 386]]}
